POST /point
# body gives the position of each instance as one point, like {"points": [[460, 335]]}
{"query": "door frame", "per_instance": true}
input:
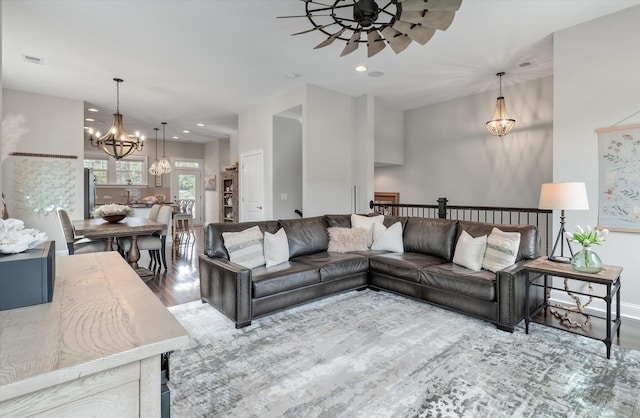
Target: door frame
{"points": [[199, 190]]}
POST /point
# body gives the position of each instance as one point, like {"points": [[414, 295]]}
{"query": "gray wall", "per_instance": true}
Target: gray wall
{"points": [[287, 167], [449, 152]]}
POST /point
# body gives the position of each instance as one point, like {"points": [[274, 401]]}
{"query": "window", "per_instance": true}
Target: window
{"points": [[100, 169], [186, 164], [106, 170]]}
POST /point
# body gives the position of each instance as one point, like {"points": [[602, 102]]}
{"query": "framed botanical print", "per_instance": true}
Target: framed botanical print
{"points": [[619, 178]]}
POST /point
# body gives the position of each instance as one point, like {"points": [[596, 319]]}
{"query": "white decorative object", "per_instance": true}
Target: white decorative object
{"points": [[14, 238], [43, 184]]}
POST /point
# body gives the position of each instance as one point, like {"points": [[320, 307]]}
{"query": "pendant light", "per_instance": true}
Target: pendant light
{"points": [[117, 142], [500, 125], [155, 168], [164, 164]]}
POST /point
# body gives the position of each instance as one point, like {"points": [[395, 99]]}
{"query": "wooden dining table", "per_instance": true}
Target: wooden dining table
{"points": [[132, 227]]}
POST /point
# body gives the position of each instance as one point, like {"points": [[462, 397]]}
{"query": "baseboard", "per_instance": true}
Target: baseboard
{"points": [[627, 310]]}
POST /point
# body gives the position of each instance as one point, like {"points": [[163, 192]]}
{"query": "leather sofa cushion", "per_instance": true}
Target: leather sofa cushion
{"points": [[336, 265], [214, 244], [460, 280], [430, 236], [267, 281], [338, 221], [406, 266], [306, 235], [529, 245], [392, 219]]}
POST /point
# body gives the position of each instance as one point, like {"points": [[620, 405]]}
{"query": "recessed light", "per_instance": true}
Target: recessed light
{"points": [[87, 128], [90, 120], [200, 124], [175, 137], [186, 132], [361, 68], [92, 110], [291, 75]]}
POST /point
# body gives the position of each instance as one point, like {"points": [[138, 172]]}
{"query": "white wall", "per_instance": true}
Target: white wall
{"points": [[55, 127], [287, 167], [388, 134], [212, 168], [363, 151], [449, 152], [597, 85]]}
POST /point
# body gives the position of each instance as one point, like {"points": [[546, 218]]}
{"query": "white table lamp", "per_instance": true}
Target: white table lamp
{"points": [[563, 196]]}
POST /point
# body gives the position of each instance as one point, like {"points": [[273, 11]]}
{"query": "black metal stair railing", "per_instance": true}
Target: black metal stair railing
{"points": [[541, 218]]}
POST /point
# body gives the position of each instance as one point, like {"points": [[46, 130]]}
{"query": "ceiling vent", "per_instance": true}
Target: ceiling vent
{"points": [[33, 60], [526, 64]]}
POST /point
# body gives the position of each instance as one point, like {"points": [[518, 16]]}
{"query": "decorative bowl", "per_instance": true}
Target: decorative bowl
{"points": [[113, 218]]}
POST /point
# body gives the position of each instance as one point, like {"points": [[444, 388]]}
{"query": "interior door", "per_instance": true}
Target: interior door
{"points": [[252, 186]]}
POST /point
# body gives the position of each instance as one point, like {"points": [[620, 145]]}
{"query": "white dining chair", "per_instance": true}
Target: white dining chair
{"points": [[156, 245], [77, 244]]}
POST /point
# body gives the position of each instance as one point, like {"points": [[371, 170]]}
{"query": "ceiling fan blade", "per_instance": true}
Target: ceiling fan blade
{"points": [[418, 33], [419, 5], [397, 41], [375, 43], [288, 17], [352, 44], [436, 19], [316, 2], [330, 39], [312, 29]]}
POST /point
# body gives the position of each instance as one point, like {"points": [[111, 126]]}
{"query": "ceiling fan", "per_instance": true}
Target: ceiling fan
{"points": [[393, 22]]}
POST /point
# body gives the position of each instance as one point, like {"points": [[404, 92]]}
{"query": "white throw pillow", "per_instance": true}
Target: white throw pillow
{"points": [[245, 247], [470, 251], [366, 222], [388, 239], [342, 240], [276, 247], [502, 250]]}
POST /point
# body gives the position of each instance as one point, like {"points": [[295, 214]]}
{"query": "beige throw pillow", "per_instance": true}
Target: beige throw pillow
{"points": [[366, 222], [502, 250], [388, 239], [245, 247], [470, 251], [342, 240], [276, 248]]}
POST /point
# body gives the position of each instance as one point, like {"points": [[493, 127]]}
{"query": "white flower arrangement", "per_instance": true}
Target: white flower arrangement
{"points": [[15, 238], [111, 209], [587, 237]]}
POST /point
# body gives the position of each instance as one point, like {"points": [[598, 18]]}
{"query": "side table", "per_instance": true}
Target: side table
{"points": [[541, 268]]}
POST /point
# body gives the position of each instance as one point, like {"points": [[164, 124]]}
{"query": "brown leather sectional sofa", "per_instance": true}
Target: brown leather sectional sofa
{"points": [[424, 271]]}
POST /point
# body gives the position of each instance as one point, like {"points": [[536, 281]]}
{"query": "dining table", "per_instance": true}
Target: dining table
{"points": [[130, 226]]}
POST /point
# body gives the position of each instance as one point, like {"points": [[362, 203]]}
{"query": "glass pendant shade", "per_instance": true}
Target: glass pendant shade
{"points": [[501, 124], [117, 142]]}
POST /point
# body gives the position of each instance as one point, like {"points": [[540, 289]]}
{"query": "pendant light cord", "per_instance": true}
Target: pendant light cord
{"points": [[163, 138]]}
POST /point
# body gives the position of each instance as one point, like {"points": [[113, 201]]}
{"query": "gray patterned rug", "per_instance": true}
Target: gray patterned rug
{"points": [[375, 354]]}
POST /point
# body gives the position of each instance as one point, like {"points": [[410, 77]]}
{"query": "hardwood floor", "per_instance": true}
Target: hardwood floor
{"points": [[181, 284]]}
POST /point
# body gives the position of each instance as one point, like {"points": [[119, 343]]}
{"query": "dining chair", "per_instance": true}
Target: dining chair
{"points": [[182, 225], [78, 244], [156, 245]]}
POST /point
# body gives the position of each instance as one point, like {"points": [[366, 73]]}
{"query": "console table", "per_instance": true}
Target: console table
{"points": [[609, 277], [93, 351]]}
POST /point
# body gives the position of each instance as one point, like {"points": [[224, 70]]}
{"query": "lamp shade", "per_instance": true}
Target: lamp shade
{"points": [[564, 196]]}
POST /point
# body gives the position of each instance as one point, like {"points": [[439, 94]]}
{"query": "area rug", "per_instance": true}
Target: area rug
{"points": [[376, 354]]}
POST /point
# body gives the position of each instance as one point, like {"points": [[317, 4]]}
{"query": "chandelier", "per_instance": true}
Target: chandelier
{"points": [[117, 143], [392, 22], [155, 168], [164, 166], [500, 125]]}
